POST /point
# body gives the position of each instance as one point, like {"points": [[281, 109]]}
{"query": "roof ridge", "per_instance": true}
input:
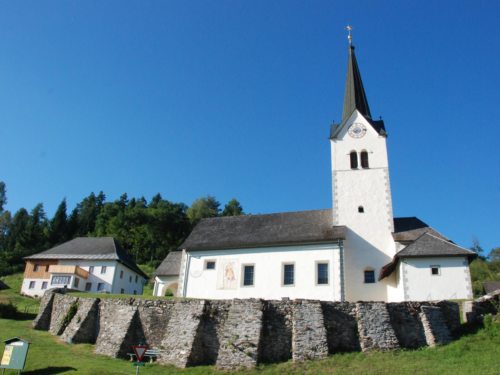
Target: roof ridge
{"points": [[267, 214]]}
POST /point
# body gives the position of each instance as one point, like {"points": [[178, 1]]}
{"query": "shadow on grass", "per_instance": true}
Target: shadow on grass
{"points": [[49, 370]]}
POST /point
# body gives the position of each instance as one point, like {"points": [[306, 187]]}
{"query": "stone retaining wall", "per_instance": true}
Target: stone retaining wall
{"points": [[243, 333]]}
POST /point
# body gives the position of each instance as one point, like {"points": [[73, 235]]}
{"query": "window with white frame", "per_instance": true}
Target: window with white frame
{"points": [[436, 270], [91, 269], [322, 273], [103, 269], [32, 285], [60, 280], [210, 264], [44, 285], [248, 274], [369, 276], [288, 274]]}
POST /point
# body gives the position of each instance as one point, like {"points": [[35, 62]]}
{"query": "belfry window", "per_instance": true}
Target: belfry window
{"points": [[354, 159], [364, 160], [361, 209]]}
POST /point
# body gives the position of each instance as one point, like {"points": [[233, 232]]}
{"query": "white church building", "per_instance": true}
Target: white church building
{"points": [[354, 251]]}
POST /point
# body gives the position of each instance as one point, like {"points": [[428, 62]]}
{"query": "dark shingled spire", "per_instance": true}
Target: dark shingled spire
{"points": [[355, 97]]}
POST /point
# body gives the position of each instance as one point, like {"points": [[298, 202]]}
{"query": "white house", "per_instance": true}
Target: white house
{"points": [[85, 263], [355, 251]]}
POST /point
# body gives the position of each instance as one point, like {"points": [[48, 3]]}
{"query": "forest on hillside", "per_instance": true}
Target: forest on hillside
{"points": [[148, 230]]}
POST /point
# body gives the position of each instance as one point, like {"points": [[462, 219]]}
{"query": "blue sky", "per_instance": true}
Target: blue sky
{"points": [[235, 98]]}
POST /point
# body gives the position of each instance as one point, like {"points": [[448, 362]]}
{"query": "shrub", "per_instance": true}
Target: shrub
{"points": [[169, 293]]}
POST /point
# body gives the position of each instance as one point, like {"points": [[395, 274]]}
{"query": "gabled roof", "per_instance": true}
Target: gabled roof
{"points": [[427, 245], [408, 229], [171, 265], [92, 248], [250, 231]]}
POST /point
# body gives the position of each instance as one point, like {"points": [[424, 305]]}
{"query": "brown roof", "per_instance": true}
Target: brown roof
{"points": [[427, 245], [247, 231], [94, 248], [171, 265]]}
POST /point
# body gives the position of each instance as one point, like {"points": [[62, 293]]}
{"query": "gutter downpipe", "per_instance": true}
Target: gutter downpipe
{"points": [[342, 283], [186, 274]]}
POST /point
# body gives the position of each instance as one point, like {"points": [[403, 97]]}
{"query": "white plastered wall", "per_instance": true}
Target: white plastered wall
{"points": [[268, 278], [369, 243], [453, 281]]}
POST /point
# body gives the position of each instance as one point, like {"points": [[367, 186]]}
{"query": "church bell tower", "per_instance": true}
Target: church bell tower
{"points": [[361, 190]]}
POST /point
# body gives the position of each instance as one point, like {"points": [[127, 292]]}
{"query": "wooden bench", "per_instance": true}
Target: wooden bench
{"points": [[152, 354]]}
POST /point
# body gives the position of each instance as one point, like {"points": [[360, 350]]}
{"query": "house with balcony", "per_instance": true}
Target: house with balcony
{"points": [[87, 264]]}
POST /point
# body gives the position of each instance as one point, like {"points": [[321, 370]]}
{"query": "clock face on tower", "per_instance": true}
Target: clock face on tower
{"points": [[357, 130]]}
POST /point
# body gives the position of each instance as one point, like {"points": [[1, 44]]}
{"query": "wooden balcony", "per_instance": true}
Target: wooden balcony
{"points": [[72, 270]]}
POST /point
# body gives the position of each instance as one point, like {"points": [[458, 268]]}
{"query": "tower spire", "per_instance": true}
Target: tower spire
{"points": [[354, 97]]}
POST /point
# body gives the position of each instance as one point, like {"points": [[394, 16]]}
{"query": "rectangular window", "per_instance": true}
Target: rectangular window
{"points": [[76, 282], [88, 287], [135, 291], [32, 285], [288, 274], [248, 275], [130, 279], [136, 278], [122, 291], [121, 274], [91, 269], [369, 277], [210, 264], [60, 280], [103, 269], [435, 270], [36, 268], [44, 285], [100, 287], [322, 273]]}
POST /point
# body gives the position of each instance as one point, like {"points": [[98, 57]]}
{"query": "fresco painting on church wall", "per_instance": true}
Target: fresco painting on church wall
{"points": [[227, 274]]}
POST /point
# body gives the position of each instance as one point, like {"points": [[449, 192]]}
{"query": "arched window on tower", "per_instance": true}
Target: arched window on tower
{"points": [[364, 160], [354, 159]]}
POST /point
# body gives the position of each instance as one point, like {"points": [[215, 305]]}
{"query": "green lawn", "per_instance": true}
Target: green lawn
{"points": [[477, 353]]}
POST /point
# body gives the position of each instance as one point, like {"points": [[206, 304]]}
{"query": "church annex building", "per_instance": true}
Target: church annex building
{"points": [[355, 251]]}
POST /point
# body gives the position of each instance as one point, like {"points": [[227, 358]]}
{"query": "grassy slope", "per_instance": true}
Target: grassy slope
{"points": [[477, 353]]}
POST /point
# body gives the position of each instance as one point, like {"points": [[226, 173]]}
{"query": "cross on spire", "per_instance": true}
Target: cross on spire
{"points": [[349, 36]]}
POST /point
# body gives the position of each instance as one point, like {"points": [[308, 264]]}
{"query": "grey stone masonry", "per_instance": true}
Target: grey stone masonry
{"points": [[435, 328], [179, 339], [239, 346], [276, 343], [233, 334], [374, 327], [42, 320], [61, 307], [341, 326], [309, 339], [405, 320], [119, 328], [83, 326]]}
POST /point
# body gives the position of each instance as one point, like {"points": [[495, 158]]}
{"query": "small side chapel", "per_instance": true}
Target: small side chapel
{"points": [[355, 251]]}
